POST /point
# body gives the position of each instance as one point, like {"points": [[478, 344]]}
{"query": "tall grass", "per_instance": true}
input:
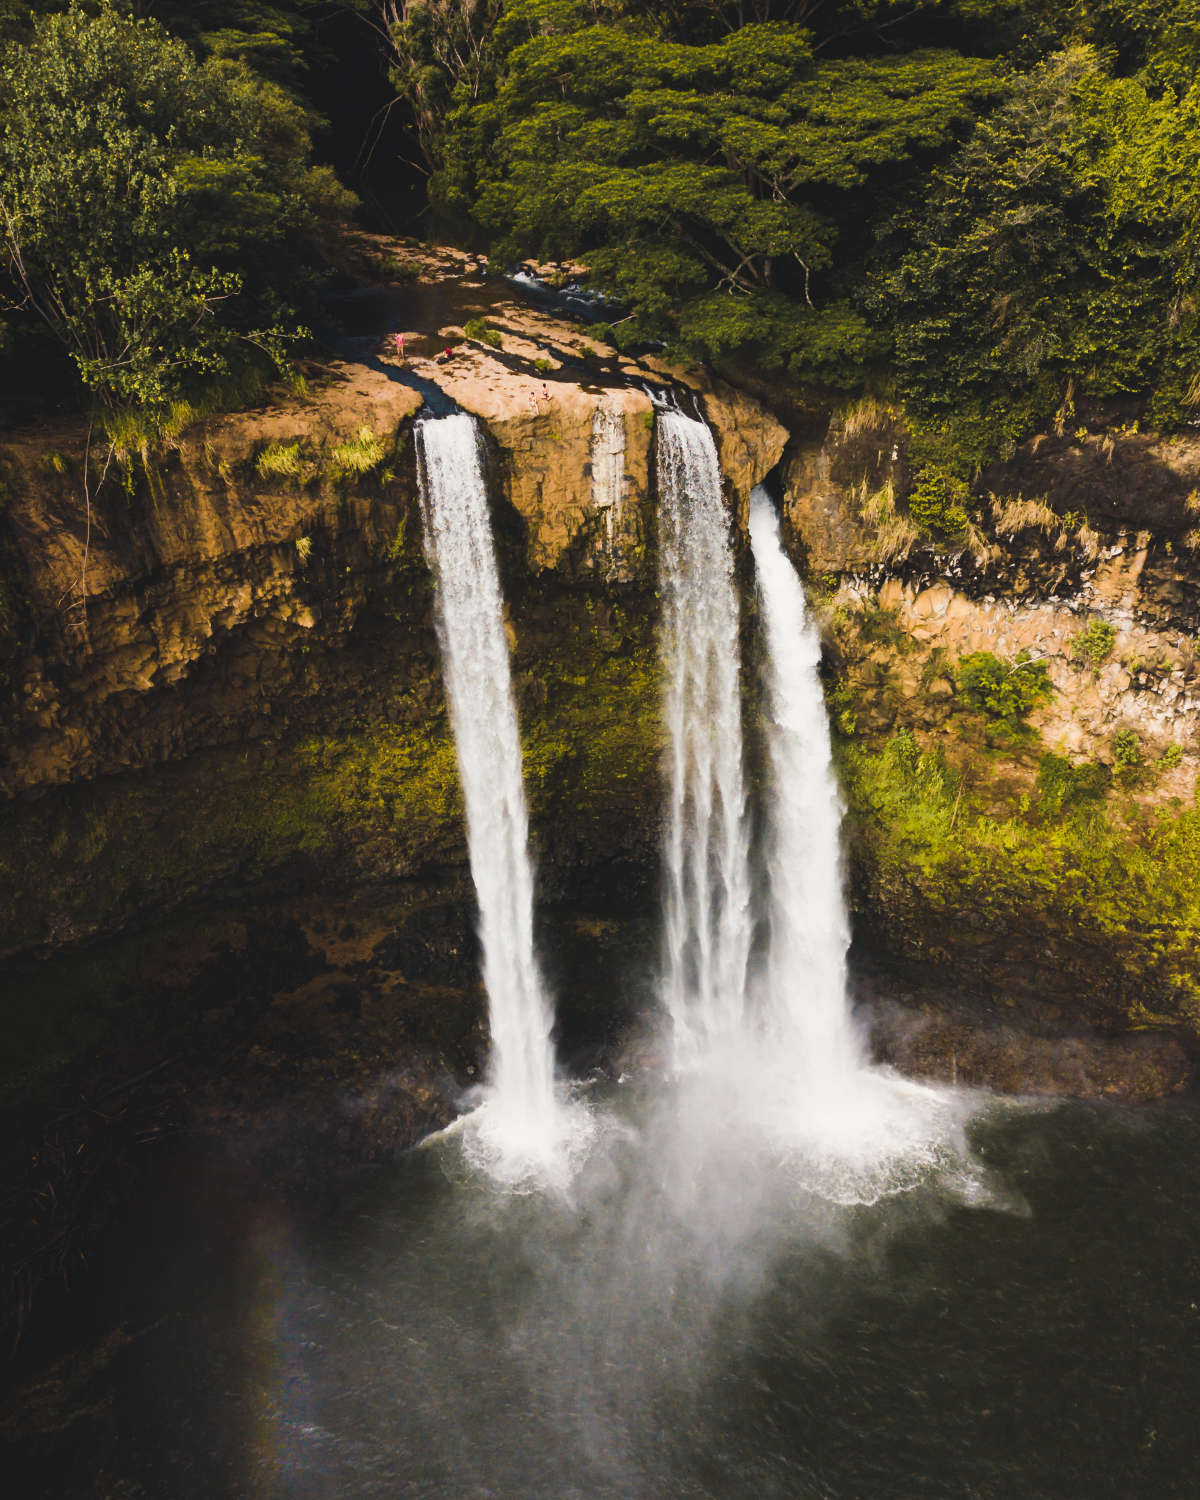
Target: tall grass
{"points": [[365, 451]]}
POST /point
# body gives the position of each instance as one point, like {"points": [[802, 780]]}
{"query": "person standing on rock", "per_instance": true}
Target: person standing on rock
{"points": [[400, 347]]}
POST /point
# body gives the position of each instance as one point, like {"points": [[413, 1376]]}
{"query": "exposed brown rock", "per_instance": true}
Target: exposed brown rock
{"points": [[929, 1041], [1027, 579]]}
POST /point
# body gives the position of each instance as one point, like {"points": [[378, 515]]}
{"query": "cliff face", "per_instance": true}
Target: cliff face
{"points": [[1044, 857], [143, 613], [226, 711], [224, 689]]}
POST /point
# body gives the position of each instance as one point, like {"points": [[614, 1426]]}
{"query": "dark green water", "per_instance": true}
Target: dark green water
{"points": [[689, 1325]]}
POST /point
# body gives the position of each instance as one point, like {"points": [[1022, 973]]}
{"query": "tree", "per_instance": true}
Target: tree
{"points": [[1055, 258], [440, 51], [707, 184], [154, 210]]}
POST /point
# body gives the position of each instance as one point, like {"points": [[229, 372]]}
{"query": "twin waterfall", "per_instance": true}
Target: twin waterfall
{"points": [[798, 1004], [751, 970]]}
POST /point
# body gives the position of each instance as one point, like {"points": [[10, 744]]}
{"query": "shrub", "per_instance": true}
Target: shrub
{"points": [[904, 750], [281, 461], [1127, 756], [396, 547], [543, 366], [1171, 758], [397, 269], [893, 536], [1013, 515], [1095, 645], [1005, 693], [883, 626], [477, 329], [1063, 786], [842, 702], [938, 504]]}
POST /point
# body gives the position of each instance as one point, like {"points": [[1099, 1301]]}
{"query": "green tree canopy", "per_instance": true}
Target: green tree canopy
{"points": [[708, 184], [1056, 257], [157, 212]]}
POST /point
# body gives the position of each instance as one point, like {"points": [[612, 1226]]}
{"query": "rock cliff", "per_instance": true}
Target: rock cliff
{"points": [[225, 706], [222, 677], [1042, 852]]}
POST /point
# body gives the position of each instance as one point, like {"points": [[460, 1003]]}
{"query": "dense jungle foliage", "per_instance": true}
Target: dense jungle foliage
{"points": [[162, 214], [988, 209]]}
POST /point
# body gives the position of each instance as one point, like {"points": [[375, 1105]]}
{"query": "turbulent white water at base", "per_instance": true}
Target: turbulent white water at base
{"points": [[524, 1129], [707, 918]]}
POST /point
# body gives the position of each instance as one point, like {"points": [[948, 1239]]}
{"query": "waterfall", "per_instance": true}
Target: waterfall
{"points": [[853, 1133], [805, 981], [707, 905], [608, 469], [522, 1122], [768, 1060]]}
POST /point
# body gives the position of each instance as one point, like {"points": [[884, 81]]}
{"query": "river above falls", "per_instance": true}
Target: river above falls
{"points": [[1022, 1321]]}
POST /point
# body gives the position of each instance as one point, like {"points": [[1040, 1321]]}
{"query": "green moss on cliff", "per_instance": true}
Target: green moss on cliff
{"points": [[365, 799], [599, 737], [97, 855], [359, 802], [1104, 885]]}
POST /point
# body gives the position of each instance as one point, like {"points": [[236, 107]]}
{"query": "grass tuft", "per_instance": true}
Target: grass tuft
{"points": [[360, 454]]}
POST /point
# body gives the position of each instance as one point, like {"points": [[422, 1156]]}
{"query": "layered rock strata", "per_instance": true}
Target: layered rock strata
{"points": [[1044, 860]]}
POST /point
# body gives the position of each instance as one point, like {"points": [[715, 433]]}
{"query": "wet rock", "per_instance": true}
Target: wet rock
{"points": [[930, 1042]]}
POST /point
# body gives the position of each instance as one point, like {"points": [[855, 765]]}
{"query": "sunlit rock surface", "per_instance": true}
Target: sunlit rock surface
{"points": [[1075, 538]]}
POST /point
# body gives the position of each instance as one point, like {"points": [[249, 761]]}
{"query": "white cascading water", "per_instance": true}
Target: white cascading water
{"points": [[773, 1057], [856, 1132], [805, 978], [523, 1128], [608, 469], [707, 907]]}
